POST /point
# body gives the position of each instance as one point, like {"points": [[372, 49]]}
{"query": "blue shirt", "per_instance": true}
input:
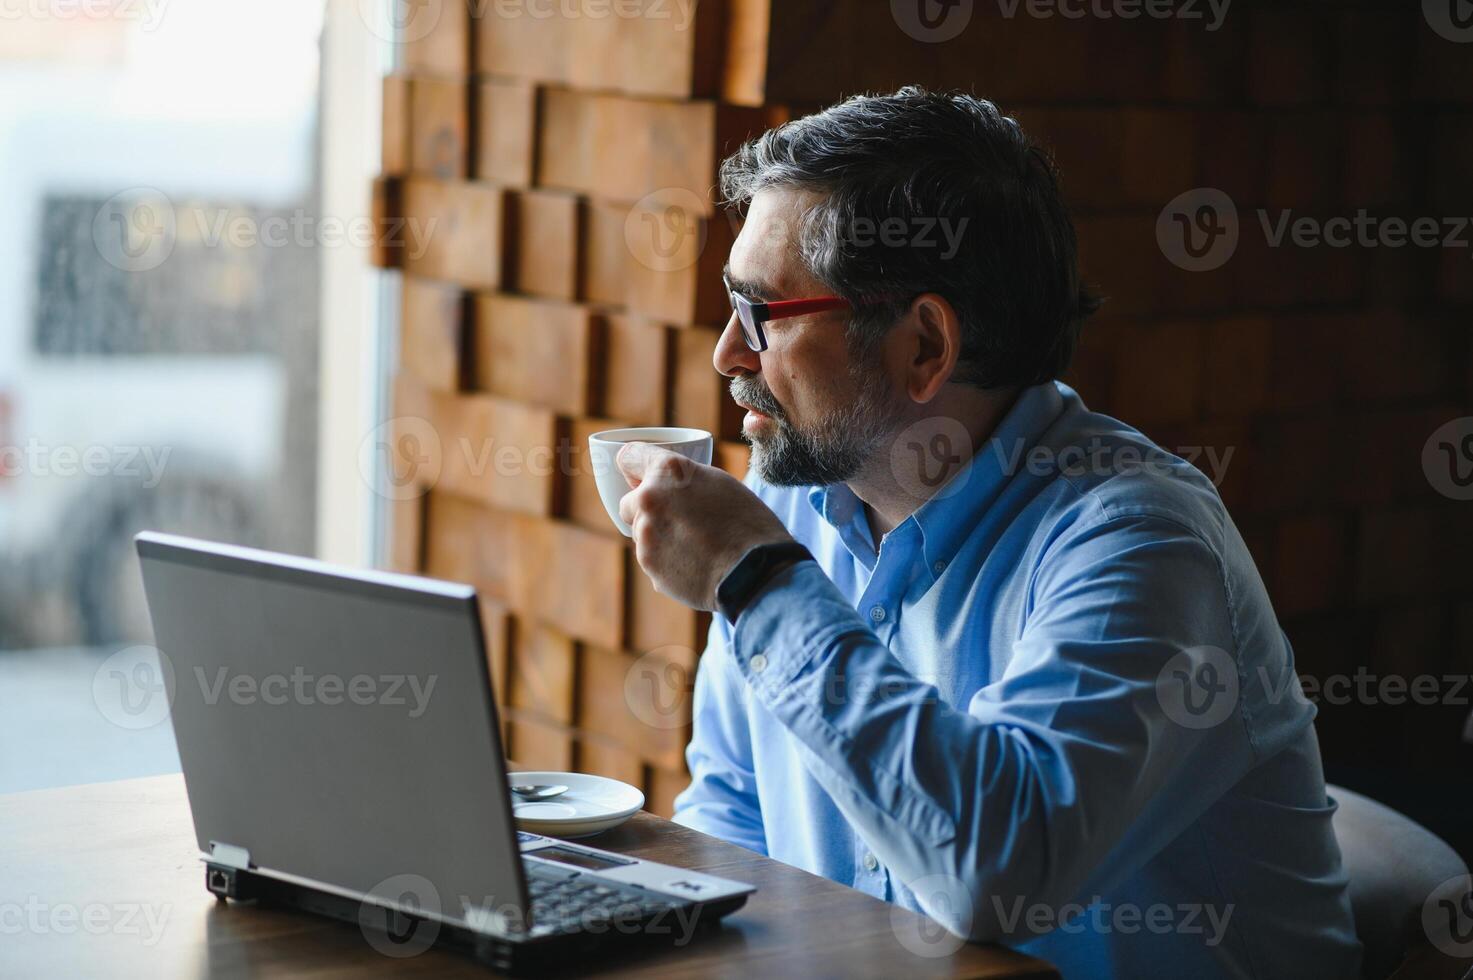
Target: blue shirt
{"points": [[1053, 709]]}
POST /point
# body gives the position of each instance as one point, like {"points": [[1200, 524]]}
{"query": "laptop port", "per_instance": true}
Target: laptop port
{"points": [[218, 881]]}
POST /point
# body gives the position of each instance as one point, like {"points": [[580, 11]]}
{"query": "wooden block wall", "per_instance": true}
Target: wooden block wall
{"points": [[573, 283], [569, 281]]}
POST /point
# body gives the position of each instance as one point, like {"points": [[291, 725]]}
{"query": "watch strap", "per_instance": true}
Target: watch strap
{"points": [[752, 573]]}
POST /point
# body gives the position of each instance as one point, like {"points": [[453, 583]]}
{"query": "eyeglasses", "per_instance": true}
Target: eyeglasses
{"points": [[753, 314]]}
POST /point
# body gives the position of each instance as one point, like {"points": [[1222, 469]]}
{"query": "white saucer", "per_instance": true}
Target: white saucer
{"points": [[591, 805]]}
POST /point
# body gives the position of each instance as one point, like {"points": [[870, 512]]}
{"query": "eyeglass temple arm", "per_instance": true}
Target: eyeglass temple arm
{"points": [[801, 307]]}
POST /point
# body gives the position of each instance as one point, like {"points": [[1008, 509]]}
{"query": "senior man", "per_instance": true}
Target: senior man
{"points": [[979, 651]]}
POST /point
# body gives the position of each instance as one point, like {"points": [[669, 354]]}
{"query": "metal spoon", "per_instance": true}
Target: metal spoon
{"points": [[539, 791]]}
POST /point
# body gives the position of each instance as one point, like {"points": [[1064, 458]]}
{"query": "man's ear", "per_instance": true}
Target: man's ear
{"points": [[936, 346]]}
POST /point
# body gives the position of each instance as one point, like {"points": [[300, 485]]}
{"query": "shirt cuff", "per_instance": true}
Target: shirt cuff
{"points": [[796, 616]]}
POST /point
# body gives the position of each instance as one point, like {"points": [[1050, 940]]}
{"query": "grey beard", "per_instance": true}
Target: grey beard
{"points": [[832, 450]]}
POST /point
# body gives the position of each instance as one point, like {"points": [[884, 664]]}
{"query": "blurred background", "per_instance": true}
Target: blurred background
{"points": [[192, 339], [158, 355]]}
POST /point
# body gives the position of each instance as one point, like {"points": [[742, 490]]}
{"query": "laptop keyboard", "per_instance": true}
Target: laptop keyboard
{"points": [[568, 901]]}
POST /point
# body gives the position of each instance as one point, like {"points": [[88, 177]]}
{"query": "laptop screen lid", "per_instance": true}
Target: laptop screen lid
{"points": [[337, 726]]}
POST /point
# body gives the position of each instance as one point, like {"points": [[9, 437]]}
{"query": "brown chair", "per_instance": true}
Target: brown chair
{"points": [[1394, 864]]}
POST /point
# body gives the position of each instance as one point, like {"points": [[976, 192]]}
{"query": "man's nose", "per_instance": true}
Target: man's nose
{"points": [[733, 356]]}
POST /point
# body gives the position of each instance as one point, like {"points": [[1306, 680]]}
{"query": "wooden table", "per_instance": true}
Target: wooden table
{"points": [[105, 881]]}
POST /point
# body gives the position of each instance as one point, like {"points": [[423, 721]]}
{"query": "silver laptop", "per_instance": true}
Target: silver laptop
{"points": [[341, 749]]}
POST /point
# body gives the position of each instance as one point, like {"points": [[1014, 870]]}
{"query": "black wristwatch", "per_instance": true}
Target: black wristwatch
{"points": [[755, 569]]}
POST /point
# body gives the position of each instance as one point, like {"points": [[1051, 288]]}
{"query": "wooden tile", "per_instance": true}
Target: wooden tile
{"points": [[626, 150], [602, 708], [649, 47], [863, 50], [1312, 568], [537, 745], [657, 621], [412, 397], [637, 370], [744, 71], [671, 51], [662, 787], [413, 449], [496, 624], [1159, 372], [585, 506], [432, 332], [642, 703], [604, 757], [1238, 367], [395, 159], [437, 38], [546, 235], [511, 42], [505, 132], [605, 255], [676, 261], [470, 543], [572, 579], [439, 128], [700, 395], [460, 232], [1289, 57], [539, 352], [406, 535], [571, 135], [502, 453], [527, 564], [542, 671], [734, 457], [387, 208]]}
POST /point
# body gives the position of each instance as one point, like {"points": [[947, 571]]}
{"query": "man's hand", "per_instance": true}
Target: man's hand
{"points": [[692, 523]]}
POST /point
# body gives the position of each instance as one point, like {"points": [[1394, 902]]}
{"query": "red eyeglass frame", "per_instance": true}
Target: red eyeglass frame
{"points": [[752, 314]]}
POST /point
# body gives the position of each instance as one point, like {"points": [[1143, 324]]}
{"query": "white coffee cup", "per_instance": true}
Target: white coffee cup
{"points": [[603, 450]]}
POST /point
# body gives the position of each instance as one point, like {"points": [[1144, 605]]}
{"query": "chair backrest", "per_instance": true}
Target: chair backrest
{"points": [[1394, 865]]}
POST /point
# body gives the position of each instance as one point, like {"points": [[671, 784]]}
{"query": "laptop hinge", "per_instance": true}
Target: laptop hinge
{"points": [[230, 856]]}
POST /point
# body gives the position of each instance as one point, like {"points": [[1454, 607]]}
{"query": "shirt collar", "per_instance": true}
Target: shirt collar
{"points": [[839, 505], [946, 519]]}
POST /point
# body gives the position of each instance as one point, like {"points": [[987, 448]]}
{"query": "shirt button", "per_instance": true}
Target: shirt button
{"points": [[870, 862], [758, 663], [877, 614], [939, 567]]}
